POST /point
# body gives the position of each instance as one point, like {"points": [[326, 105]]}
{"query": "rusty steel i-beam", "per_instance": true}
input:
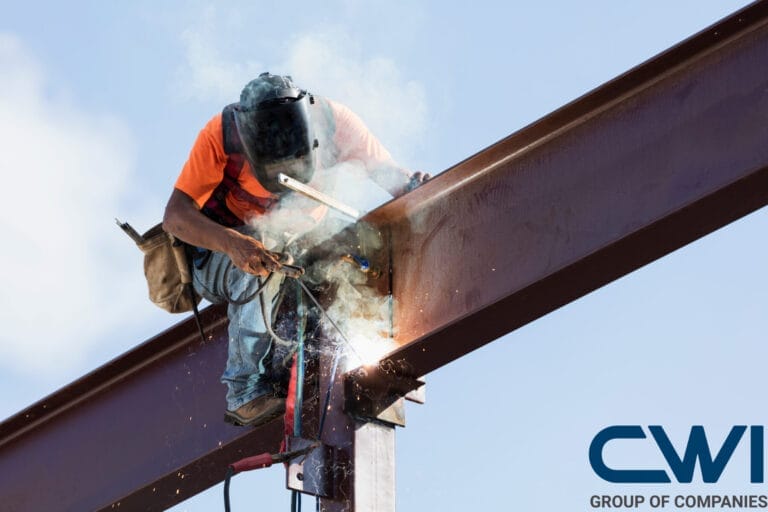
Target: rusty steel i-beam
{"points": [[658, 157], [647, 163]]}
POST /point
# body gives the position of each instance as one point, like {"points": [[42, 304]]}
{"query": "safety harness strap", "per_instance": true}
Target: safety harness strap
{"points": [[216, 207]]}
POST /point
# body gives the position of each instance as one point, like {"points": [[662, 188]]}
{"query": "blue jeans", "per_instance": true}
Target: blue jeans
{"points": [[219, 281]]}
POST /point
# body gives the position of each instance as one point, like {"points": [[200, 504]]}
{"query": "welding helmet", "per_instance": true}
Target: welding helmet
{"points": [[275, 130]]}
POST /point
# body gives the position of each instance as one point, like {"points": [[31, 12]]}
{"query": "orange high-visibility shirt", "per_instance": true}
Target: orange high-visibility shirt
{"points": [[204, 168]]}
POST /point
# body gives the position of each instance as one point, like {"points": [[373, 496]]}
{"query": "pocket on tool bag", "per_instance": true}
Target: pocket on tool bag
{"points": [[167, 271]]}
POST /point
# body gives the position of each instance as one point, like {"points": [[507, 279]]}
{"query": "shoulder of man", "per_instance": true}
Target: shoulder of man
{"points": [[230, 140]]}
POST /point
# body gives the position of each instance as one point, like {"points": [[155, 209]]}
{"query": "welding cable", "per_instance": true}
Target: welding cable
{"points": [[327, 316], [252, 296], [336, 358], [262, 460], [297, 428], [231, 470], [299, 397], [268, 319], [227, 478]]}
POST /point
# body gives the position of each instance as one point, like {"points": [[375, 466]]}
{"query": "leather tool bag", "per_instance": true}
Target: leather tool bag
{"points": [[166, 268]]}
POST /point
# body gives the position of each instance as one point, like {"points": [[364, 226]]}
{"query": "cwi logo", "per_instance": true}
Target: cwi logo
{"points": [[682, 466]]}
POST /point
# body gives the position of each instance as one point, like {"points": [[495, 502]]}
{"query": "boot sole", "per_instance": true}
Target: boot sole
{"points": [[237, 421]]}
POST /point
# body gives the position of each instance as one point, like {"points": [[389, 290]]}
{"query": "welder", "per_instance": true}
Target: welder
{"points": [[229, 181]]}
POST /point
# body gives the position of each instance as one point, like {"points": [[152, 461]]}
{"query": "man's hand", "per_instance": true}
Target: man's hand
{"points": [[250, 255], [397, 180], [184, 220], [418, 178]]}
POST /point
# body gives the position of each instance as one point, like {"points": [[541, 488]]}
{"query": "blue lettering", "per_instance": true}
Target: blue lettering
{"points": [[621, 475], [698, 448], [757, 461]]}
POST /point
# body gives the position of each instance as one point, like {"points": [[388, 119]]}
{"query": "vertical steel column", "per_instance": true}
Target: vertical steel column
{"points": [[360, 429], [374, 467], [364, 465]]}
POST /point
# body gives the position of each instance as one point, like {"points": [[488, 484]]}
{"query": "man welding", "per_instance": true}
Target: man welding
{"points": [[229, 181]]}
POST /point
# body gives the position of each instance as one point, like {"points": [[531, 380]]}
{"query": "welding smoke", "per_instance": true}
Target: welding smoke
{"points": [[297, 224]]}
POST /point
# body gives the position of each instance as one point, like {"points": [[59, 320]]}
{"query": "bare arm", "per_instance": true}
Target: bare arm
{"points": [[356, 142], [184, 220]]}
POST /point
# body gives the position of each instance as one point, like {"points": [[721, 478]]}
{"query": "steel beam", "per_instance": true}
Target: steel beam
{"points": [[655, 159], [144, 432], [664, 154]]}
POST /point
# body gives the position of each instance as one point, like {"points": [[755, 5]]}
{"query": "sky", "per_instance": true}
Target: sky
{"points": [[101, 101]]}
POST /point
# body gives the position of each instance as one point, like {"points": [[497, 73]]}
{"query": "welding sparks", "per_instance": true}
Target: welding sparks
{"points": [[363, 316], [368, 351], [359, 319]]}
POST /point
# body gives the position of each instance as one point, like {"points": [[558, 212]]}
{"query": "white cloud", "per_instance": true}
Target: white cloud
{"points": [[207, 75], [60, 267], [332, 64], [325, 60]]}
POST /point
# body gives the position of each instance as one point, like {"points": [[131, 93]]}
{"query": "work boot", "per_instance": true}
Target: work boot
{"points": [[257, 412]]}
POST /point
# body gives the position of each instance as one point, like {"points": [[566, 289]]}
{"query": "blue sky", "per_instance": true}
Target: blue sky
{"points": [[100, 102]]}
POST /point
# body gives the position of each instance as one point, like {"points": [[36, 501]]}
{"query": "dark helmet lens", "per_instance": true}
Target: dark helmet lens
{"points": [[277, 137]]}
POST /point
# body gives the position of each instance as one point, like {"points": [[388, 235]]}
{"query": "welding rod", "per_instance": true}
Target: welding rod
{"points": [[312, 193]]}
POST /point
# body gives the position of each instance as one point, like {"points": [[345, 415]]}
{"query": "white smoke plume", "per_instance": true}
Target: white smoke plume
{"points": [[394, 107], [358, 310], [327, 62], [207, 75], [362, 315]]}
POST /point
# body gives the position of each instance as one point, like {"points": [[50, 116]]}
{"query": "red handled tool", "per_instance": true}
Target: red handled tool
{"points": [[265, 460]]}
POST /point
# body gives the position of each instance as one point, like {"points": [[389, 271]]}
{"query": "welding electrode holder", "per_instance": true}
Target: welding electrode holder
{"points": [[286, 265], [291, 271]]}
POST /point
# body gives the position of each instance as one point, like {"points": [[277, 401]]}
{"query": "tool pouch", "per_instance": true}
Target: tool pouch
{"points": [[167, 270]]}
